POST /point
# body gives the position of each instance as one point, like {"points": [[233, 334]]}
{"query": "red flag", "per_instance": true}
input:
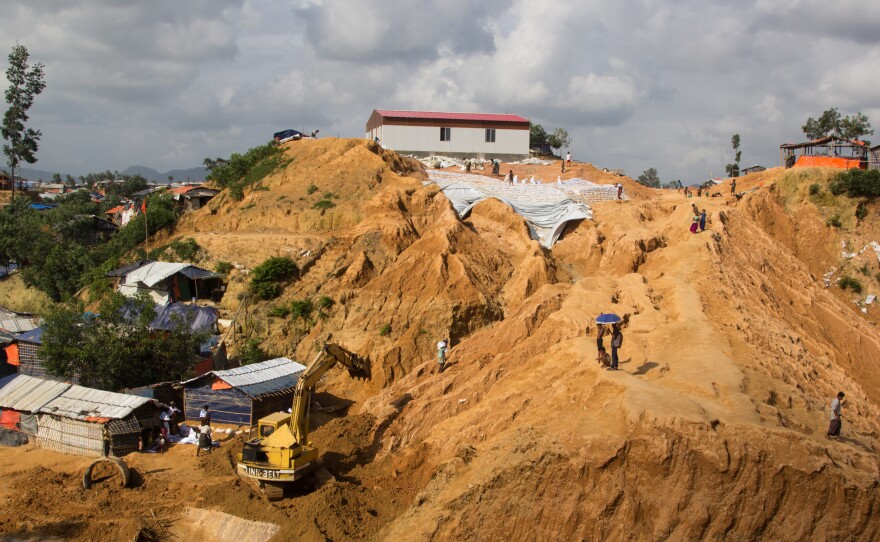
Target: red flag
{"points": [[144, 206]]}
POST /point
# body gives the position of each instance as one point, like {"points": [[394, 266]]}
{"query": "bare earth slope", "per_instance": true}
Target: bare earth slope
{"points": [[713, 429]]}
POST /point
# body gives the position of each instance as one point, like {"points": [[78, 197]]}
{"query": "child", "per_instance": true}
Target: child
{"points": [[603, 358]]}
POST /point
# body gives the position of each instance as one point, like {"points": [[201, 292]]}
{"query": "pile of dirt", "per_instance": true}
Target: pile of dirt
{"points": [[712, 429]]}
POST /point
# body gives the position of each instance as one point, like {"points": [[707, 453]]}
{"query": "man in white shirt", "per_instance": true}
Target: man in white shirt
{"points": [[834, 426], [441, 355]]}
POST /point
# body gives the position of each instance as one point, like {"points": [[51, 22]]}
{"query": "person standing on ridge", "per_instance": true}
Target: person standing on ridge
{"points": [[834, 426], [441, 355], [703, 220], [616, 342], [568, 159], [733, 187], [695, 222], [600, 333], [619, 191]]}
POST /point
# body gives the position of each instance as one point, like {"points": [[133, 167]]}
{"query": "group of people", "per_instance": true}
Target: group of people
{"points": [[616, 335], [699, 219]]}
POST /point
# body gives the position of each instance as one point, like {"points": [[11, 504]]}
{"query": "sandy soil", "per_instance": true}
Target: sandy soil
{"points": [[713, 429]]}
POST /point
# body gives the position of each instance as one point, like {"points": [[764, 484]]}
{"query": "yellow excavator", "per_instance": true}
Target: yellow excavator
{"points": [[281, 453]]}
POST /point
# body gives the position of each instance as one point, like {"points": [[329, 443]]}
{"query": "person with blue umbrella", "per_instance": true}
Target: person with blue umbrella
{"points": [[616, 336]]}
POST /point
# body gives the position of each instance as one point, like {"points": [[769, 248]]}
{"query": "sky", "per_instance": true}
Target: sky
{"points": [[637, 83]]}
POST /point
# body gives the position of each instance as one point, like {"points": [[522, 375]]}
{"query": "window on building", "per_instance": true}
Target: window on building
{"points": [[445, 134], [490, 135]]}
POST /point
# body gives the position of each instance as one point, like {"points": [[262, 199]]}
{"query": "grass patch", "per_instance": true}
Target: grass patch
{"points": [[279, 311], [301, 309], [815, 189], [385, 330], [323, 205], [311, 189], [834, 222], [223, 267]]}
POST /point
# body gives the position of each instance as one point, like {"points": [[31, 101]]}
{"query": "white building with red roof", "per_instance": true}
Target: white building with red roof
{"points": [[461, 135]]}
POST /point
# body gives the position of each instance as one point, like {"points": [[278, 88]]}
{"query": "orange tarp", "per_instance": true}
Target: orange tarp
{"points": [[204, 366], [10, 419], [827, 161], [220, 385], [12, 354]]}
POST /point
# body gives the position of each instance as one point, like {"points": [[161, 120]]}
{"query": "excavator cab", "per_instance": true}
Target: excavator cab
{"points": [[269, 424]]}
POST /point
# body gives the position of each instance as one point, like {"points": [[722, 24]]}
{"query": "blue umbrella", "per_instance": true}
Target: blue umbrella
{"points": [[608, 318]]}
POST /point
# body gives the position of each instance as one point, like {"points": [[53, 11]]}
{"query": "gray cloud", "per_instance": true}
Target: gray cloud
{"points": [[638, 84]]}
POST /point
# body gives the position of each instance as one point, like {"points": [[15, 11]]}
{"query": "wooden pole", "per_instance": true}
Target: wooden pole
{"points": [[146, 227]]}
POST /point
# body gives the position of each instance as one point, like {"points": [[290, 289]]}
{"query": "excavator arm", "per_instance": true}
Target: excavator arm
{"points": [[330, 355]]}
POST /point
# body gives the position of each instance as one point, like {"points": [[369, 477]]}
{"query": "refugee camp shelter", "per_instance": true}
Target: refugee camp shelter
{"points": [[874, 157], [243, 395], [24, 353], [167, 281], [21, 397], [459, 135], [753, 169], [6, 368], [191, 198], [830, 151], [77, 420]]}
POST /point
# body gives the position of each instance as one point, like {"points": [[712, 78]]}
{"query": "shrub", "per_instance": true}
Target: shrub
{"points": [[834, 221], [266, 276], [252, 352], [236, 192], [301, 308], [864, 270], [324, 204], [249, 167], [223, 267], [330, 195], [848, 282], [185, 249], [385, 330], [311, 189], [861, 212], [864, 183], [815, 189], [325, 302], [280, 311]]}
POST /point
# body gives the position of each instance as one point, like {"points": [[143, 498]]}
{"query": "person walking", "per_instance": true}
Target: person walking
{"points": [[703, 220], [695, 223], [616, 342], [568, 159], [619, 191], [834, 426], [441, 355], [733, 187], [206, 441]]}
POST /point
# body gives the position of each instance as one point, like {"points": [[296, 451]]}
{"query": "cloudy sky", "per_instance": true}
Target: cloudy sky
{"points": [[637, 83]]}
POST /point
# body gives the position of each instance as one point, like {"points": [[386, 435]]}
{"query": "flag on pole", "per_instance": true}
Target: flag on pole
{"points": [[144, 206]]}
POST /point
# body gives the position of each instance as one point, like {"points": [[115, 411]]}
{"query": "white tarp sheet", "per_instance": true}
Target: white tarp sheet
{"points": [[546, 207]]}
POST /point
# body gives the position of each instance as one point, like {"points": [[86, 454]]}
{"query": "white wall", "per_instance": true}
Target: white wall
{"points": [[463, 140]]}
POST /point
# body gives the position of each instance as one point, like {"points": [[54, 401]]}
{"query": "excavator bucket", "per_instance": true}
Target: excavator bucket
{"points": [[357, 366]]}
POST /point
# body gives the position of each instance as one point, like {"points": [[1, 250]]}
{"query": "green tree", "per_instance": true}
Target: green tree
{"points": [[537, 135], [56, 178], [855, 126], [24, 85], [649, 178], [119, 348], [825, 125], [559, 138]]}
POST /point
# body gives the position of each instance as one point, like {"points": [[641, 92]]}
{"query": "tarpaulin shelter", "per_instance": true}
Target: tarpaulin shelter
{"points": [[191, 198], [27, 347], [167, 281], [79, 419], [830, 151], [243, 395], [22, 396]]}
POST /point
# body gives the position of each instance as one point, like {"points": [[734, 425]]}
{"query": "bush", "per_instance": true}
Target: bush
{"points": [[324, 204], [252, 352], [861, 212], [385, 330], [301, 309], [864, 270], [834, 221], [280, 311], [850, 283], [236, 192], [325, 302], [311, 189], [185, 249], [267, 275], [857, 183], [249, 167], [815, 189], [223, 267]]}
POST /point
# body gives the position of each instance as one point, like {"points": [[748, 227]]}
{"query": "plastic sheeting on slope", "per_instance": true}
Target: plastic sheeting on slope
{"points": [[546, 207]]}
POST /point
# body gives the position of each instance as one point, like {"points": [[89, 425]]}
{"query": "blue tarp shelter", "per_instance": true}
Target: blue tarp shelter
{"points": [[243, 395]]}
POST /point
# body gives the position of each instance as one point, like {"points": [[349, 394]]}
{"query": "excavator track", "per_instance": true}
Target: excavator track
{"points": [[273, 491]]}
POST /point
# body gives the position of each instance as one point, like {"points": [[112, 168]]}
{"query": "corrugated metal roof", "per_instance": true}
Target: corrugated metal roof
{"points": [[28, 393], [438, 115], [80, 403], [34, 336], [260, 378]]}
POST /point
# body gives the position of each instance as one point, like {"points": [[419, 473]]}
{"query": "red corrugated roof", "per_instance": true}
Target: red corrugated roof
{"points": [[438, 115], [115, 210], [183, 189]]}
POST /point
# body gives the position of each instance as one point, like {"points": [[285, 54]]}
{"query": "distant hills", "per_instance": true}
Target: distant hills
{"points": [[150, 174]]}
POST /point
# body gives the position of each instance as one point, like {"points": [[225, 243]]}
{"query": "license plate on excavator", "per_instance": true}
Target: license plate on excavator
{"points": [[262, 473]]}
